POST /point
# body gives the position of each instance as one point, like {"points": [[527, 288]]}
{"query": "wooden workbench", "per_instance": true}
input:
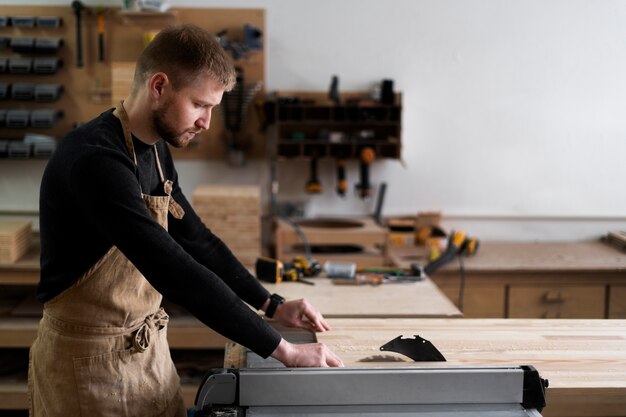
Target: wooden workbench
{"points": [[420, 299], [398, 300], [584, 360], [534, 279]]}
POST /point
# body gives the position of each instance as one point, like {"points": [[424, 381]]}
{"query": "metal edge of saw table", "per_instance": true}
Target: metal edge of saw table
{"points": [[319, 392]]}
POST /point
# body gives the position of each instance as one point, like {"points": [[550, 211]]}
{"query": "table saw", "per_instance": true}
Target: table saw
{"points": [[373, 392]]}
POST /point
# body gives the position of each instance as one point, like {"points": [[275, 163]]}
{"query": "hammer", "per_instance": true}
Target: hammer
{"points": [[78, 8]]}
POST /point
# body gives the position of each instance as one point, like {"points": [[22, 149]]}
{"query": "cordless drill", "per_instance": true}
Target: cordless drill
{"points": [[458, 244]]}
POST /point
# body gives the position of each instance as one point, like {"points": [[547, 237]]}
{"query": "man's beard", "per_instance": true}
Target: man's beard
{"points": [[166, 131]]}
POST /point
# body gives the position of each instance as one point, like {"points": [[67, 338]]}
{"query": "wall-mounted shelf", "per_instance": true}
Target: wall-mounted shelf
{"points": [[309, 125]]}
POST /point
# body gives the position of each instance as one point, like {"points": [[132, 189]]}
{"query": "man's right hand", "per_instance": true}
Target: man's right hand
{"points": [[315, 355]]}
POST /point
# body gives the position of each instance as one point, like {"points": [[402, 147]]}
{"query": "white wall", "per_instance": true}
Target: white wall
{"points": [[513, 121]]}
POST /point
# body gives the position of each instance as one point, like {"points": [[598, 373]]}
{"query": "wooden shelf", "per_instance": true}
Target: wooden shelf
{"points": [[183, 333], [308, 125], [14, 393]]}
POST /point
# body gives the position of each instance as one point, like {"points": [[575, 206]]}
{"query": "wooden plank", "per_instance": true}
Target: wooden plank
{"points": [[233, 214], [25, 271], [584, 360], [15, 240]]}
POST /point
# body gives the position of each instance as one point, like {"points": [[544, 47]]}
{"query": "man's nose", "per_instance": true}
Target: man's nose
{"points": [[204, 121]]}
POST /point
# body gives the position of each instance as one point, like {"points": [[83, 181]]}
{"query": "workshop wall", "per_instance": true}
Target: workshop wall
{"points": [[512, 111]]}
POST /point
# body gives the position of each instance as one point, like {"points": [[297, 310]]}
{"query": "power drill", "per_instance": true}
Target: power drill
{"points": [[458, 244], [275, 272]]}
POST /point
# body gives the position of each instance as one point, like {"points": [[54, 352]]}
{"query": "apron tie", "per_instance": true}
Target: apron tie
{"points": [[152, 323]]}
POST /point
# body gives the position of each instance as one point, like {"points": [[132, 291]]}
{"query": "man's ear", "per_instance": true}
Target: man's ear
{"points": [[157, 84]]}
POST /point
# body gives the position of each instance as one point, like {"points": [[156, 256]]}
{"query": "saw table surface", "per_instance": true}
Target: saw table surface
{"points": [[584, 360]]}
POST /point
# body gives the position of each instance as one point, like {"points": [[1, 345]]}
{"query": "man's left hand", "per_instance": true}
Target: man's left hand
{"points": [[300, 313]]}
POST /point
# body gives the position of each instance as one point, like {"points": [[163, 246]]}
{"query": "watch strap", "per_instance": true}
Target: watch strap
{"points": [[275, 301]]}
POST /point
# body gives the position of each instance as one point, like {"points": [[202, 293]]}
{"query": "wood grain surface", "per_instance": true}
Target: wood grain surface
{"points": [[532, 256], [400, 300], [584, 360]]}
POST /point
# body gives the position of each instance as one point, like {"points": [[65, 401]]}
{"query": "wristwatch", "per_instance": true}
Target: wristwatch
{"points": [[275, 301]]}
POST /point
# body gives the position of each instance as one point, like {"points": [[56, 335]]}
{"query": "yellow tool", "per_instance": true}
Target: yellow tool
{"points": [[458, 244], [275, 272]]}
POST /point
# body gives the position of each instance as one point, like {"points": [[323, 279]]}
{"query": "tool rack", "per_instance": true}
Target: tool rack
{"points": [[308, 123], [38, 49]]}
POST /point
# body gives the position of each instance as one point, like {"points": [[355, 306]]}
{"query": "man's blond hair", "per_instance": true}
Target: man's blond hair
{"points": [[183, 52]]}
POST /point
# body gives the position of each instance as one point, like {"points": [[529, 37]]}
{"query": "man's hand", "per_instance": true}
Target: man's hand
{"points": [[300, 313], [316, 355]]}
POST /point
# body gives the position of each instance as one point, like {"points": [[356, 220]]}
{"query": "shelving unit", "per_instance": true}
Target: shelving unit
{"points": [[310, 125]]}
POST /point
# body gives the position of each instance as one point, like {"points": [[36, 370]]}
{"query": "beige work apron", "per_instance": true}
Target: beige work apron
{"points": [[101, 347]]}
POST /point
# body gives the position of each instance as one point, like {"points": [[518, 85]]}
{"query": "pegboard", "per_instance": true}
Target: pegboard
{"points": [[92, 89]]}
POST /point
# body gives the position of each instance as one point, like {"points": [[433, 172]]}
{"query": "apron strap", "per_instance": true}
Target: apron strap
{"points": [[152, 323], [120, 112]]}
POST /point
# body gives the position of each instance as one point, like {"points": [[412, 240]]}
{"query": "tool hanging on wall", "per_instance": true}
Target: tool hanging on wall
{"points": [[342, 183], [78, 8], [367, 156], [234, 109], [252, 41], [333, 91], [100, 14], [313, 185]]}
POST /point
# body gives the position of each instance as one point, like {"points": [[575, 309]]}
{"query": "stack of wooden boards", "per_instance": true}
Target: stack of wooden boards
{"points": [[234, 214], [15, 240], [616, 239]]}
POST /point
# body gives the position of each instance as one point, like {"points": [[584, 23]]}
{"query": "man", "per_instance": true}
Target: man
{"points": [[117, 233]]}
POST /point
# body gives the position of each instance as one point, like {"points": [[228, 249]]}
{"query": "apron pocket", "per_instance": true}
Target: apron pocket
{"points": [[126, 383]]}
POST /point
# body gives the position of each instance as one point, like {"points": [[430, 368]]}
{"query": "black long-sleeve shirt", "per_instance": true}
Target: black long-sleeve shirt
{"points": [[90, 200]]}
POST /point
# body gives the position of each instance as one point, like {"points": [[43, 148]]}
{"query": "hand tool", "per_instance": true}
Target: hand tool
{"points": [[22, 45], [45, 118], [23, 91], [23, 21], [46, 65], [20, 65], [364, 188], [274, 271], [100, 34], [48, 21], [47, 45], [342, 184], [380, 201], [458, 244], [313, 185], [5, 91], [17, 119], [48, 93], [333, 92], [78, 8]]}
